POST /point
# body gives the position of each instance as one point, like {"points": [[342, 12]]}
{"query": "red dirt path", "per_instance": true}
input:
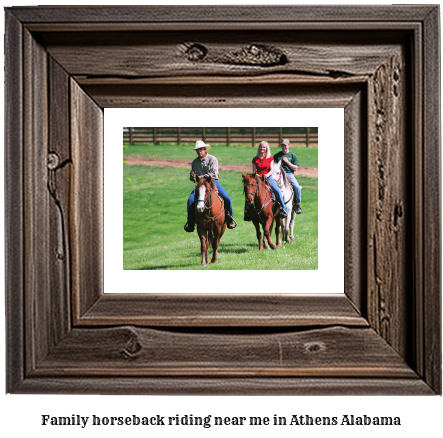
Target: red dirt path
{"points": [[302, 171]]}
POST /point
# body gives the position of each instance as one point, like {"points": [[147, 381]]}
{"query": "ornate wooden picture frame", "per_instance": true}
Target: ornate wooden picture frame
{"points": [[64, 65]]}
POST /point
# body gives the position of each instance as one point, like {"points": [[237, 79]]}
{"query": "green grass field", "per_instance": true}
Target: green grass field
{"points": [[308, 157], [155, 213]]}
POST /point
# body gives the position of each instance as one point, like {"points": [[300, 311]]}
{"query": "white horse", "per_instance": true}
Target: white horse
{"points": [[287, 192]]}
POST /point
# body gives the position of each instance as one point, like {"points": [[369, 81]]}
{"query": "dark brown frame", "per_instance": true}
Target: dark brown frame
{"points": [[64, 65]]}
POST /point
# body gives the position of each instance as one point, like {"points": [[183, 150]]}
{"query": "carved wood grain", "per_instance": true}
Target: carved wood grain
{"points": [[228, 95], [241, 310], [59, 167], [355, 186], [164, 385], [430, 240], [99, 18], [388, 204], [37, 307], [129, 351], [14, 202], [86, 207], [152, 54]]}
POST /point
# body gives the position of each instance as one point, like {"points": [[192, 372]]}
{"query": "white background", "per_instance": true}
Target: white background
{"points": [[21, 414], [330, 123]]}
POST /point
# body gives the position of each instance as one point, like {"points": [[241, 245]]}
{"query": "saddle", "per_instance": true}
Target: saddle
{"points": [[275, 204], [268, 186]]}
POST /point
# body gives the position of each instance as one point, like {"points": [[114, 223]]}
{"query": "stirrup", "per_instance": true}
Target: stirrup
{"points": [[232, 224]]}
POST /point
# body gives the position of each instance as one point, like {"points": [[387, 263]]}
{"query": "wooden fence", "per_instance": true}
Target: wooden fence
{"points": [[297, 136]]}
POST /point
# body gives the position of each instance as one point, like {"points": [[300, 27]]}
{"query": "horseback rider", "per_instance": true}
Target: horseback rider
{"points": [[207, 165], [263, 164], [290, 165]]}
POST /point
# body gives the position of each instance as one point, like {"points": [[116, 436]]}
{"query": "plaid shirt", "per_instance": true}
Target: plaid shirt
{"points": [[207, 166]]}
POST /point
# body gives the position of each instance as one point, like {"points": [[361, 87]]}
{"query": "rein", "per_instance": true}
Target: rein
{"points": [[279, 179], [211, 218], [255, 193]]}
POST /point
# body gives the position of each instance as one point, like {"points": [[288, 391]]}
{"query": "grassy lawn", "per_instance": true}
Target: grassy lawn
{"points": [[308, 157], [155, 213]]}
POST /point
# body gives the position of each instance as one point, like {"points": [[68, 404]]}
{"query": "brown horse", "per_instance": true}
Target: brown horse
{"points": [[209, 217], [262, 209]]}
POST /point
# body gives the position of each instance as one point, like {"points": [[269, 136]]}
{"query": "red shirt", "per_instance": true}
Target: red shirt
{"points": [[263, 165]]}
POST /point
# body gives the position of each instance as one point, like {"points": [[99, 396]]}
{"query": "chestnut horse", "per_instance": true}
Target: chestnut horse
{"points": [[209, 217], [262, 209]]}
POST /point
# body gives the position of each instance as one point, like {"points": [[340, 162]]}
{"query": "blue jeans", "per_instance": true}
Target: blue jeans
{"points": [[277, 192], [295, 185], [222, 192]]}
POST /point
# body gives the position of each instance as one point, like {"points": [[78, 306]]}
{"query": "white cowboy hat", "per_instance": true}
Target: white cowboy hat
{"points": [[201, 144]]}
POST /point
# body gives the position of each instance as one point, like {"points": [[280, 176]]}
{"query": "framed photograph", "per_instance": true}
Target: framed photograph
{"points": [[165, 198], [380, 333], [146, 207]]}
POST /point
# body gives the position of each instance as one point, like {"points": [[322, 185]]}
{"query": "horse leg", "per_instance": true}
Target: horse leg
{"points": [[215, 243], [258, 233], [291, 227], [278, 227], [203, 247], [285, 228], [209, 243], [214, 239], [265, 240], [266, 231]]}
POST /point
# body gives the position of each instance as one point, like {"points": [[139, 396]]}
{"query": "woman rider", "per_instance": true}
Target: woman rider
{"points": [[263, 164]]}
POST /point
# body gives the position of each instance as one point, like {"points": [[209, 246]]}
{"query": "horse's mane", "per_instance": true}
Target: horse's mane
{"points": [[202, 181], [261, 178], [285, 178]]}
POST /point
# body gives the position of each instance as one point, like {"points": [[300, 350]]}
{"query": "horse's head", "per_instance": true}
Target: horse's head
{"points": [[279, 174], [204, 186], [278, 170], [250, 186]]}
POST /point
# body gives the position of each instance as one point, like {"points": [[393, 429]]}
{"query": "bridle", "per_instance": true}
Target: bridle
{"points": [[207, 198], [279, 179], [257, 192], [257, 187]]}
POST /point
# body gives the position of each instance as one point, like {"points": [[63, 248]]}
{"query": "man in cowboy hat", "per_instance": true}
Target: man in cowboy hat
{"points": [[290, 164], [205, 165]]}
